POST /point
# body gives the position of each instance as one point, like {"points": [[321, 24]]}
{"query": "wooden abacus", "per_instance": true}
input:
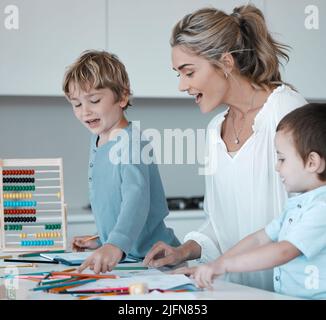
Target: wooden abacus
{"points": [[32, 210]]}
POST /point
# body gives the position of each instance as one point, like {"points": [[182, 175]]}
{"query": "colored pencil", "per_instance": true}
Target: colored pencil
{"points": [[31, 261], [90, 238], [85, 275], [130, 268], [29, 265], [5, 257], [104, 290], [48, 287], [37, 253]]}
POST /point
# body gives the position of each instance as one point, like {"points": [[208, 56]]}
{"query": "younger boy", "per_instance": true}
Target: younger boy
{"points": [[127, 199], [295, 243]]}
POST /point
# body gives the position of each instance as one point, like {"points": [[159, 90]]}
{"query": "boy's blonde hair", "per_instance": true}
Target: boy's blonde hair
{"points": [[98, 70]]}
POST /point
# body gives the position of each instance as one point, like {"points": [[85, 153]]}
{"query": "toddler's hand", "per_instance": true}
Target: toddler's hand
{"points": [[204, 274]]}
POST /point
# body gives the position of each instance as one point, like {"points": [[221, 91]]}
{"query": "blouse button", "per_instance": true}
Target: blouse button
{"points": [[91, 165], [290, 220], [299, 206], [277, 278], [90, 179]]}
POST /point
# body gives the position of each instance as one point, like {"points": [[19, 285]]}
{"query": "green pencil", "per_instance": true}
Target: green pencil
{"points": [[130, 268], [36, 254]]}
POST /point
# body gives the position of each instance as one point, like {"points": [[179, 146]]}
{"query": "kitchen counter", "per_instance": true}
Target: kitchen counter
{"points": [[81, 221], [82, 215]]}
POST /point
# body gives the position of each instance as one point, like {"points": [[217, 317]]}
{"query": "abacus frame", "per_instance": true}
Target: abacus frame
{"points": [[32, 163]]}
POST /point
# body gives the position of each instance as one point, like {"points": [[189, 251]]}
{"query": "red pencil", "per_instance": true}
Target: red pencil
{"points": [[104, 290]]}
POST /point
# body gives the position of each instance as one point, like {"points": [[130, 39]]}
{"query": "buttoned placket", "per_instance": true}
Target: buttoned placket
{"points": [[90, 170]]}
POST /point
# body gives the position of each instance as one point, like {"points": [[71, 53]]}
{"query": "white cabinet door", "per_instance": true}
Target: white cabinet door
{"points": [[293, 22], [139, 33], [50, 36], [183, 222]]}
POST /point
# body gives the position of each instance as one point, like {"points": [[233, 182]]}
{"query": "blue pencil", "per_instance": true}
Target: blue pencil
{"points": [[65, 284]]}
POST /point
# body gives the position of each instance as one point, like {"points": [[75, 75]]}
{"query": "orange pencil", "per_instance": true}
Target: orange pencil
{"points": [[90, 238]]}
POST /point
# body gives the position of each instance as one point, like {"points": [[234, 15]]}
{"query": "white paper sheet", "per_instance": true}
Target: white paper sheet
{"points": [[154, 281]]}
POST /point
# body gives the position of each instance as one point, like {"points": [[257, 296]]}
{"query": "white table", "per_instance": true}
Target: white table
{"points": [[222, 290]]}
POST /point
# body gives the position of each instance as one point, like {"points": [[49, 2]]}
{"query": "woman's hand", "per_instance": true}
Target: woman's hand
{"points": [[103, 259], [163, 254], [79, 243]]}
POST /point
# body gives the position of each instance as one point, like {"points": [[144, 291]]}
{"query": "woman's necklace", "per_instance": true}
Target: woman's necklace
{"points": [[237, 135]]}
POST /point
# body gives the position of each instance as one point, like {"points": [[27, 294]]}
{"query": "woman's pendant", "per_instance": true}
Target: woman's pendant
{"points": [[236, 141]]}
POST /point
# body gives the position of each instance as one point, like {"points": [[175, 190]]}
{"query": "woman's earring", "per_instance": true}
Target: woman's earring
{"points": [[226, 75]]}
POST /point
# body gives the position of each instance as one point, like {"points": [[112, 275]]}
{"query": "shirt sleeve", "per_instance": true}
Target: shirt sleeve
{"points": [[309, 234], [206, 238], [273, 228], [135, 192], [288, 102]]}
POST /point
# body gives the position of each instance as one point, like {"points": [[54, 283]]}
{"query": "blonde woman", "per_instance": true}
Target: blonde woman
{"points": [[232, 60]]}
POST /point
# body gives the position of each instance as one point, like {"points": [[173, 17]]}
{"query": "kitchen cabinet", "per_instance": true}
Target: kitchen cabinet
{"points": [[139, 33], [300, 24], [50, 36]]}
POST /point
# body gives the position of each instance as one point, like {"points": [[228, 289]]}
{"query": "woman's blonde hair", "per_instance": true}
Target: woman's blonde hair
{"points": [[210, 33], [98, 70]]}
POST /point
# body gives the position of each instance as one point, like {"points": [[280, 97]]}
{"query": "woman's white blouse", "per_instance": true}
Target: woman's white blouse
{"points": [[245, 192]]}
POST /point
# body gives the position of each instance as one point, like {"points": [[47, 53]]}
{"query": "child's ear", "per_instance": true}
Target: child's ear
{"points": [[124, 101], [315, 164]]}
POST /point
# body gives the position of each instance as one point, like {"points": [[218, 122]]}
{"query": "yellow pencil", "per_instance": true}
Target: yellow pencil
{"points": [[5, 257], [28, 265], [69, 270]]}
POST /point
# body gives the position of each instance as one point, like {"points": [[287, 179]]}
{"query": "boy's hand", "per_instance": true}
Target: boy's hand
{"points": [[79, 244], [103, 259]]}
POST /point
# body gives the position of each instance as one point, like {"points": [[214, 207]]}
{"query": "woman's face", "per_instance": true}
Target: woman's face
{"points": [[200, 79]]}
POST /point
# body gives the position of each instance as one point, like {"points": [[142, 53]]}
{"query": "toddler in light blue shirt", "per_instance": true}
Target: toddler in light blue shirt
{"points": [[294, 244], [127, 198]]}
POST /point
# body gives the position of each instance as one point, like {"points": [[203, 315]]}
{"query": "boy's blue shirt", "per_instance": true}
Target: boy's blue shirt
{"points": [[302, 223], [127, 200]]}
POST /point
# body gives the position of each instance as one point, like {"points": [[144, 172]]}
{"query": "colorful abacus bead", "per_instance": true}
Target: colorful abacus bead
{"points": [[17, 196], [7, 204], [18, 180], [19, 211], [13, 227], [52, 226], [34, 243], [18, 172], [19, 188], [20, 219]]}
